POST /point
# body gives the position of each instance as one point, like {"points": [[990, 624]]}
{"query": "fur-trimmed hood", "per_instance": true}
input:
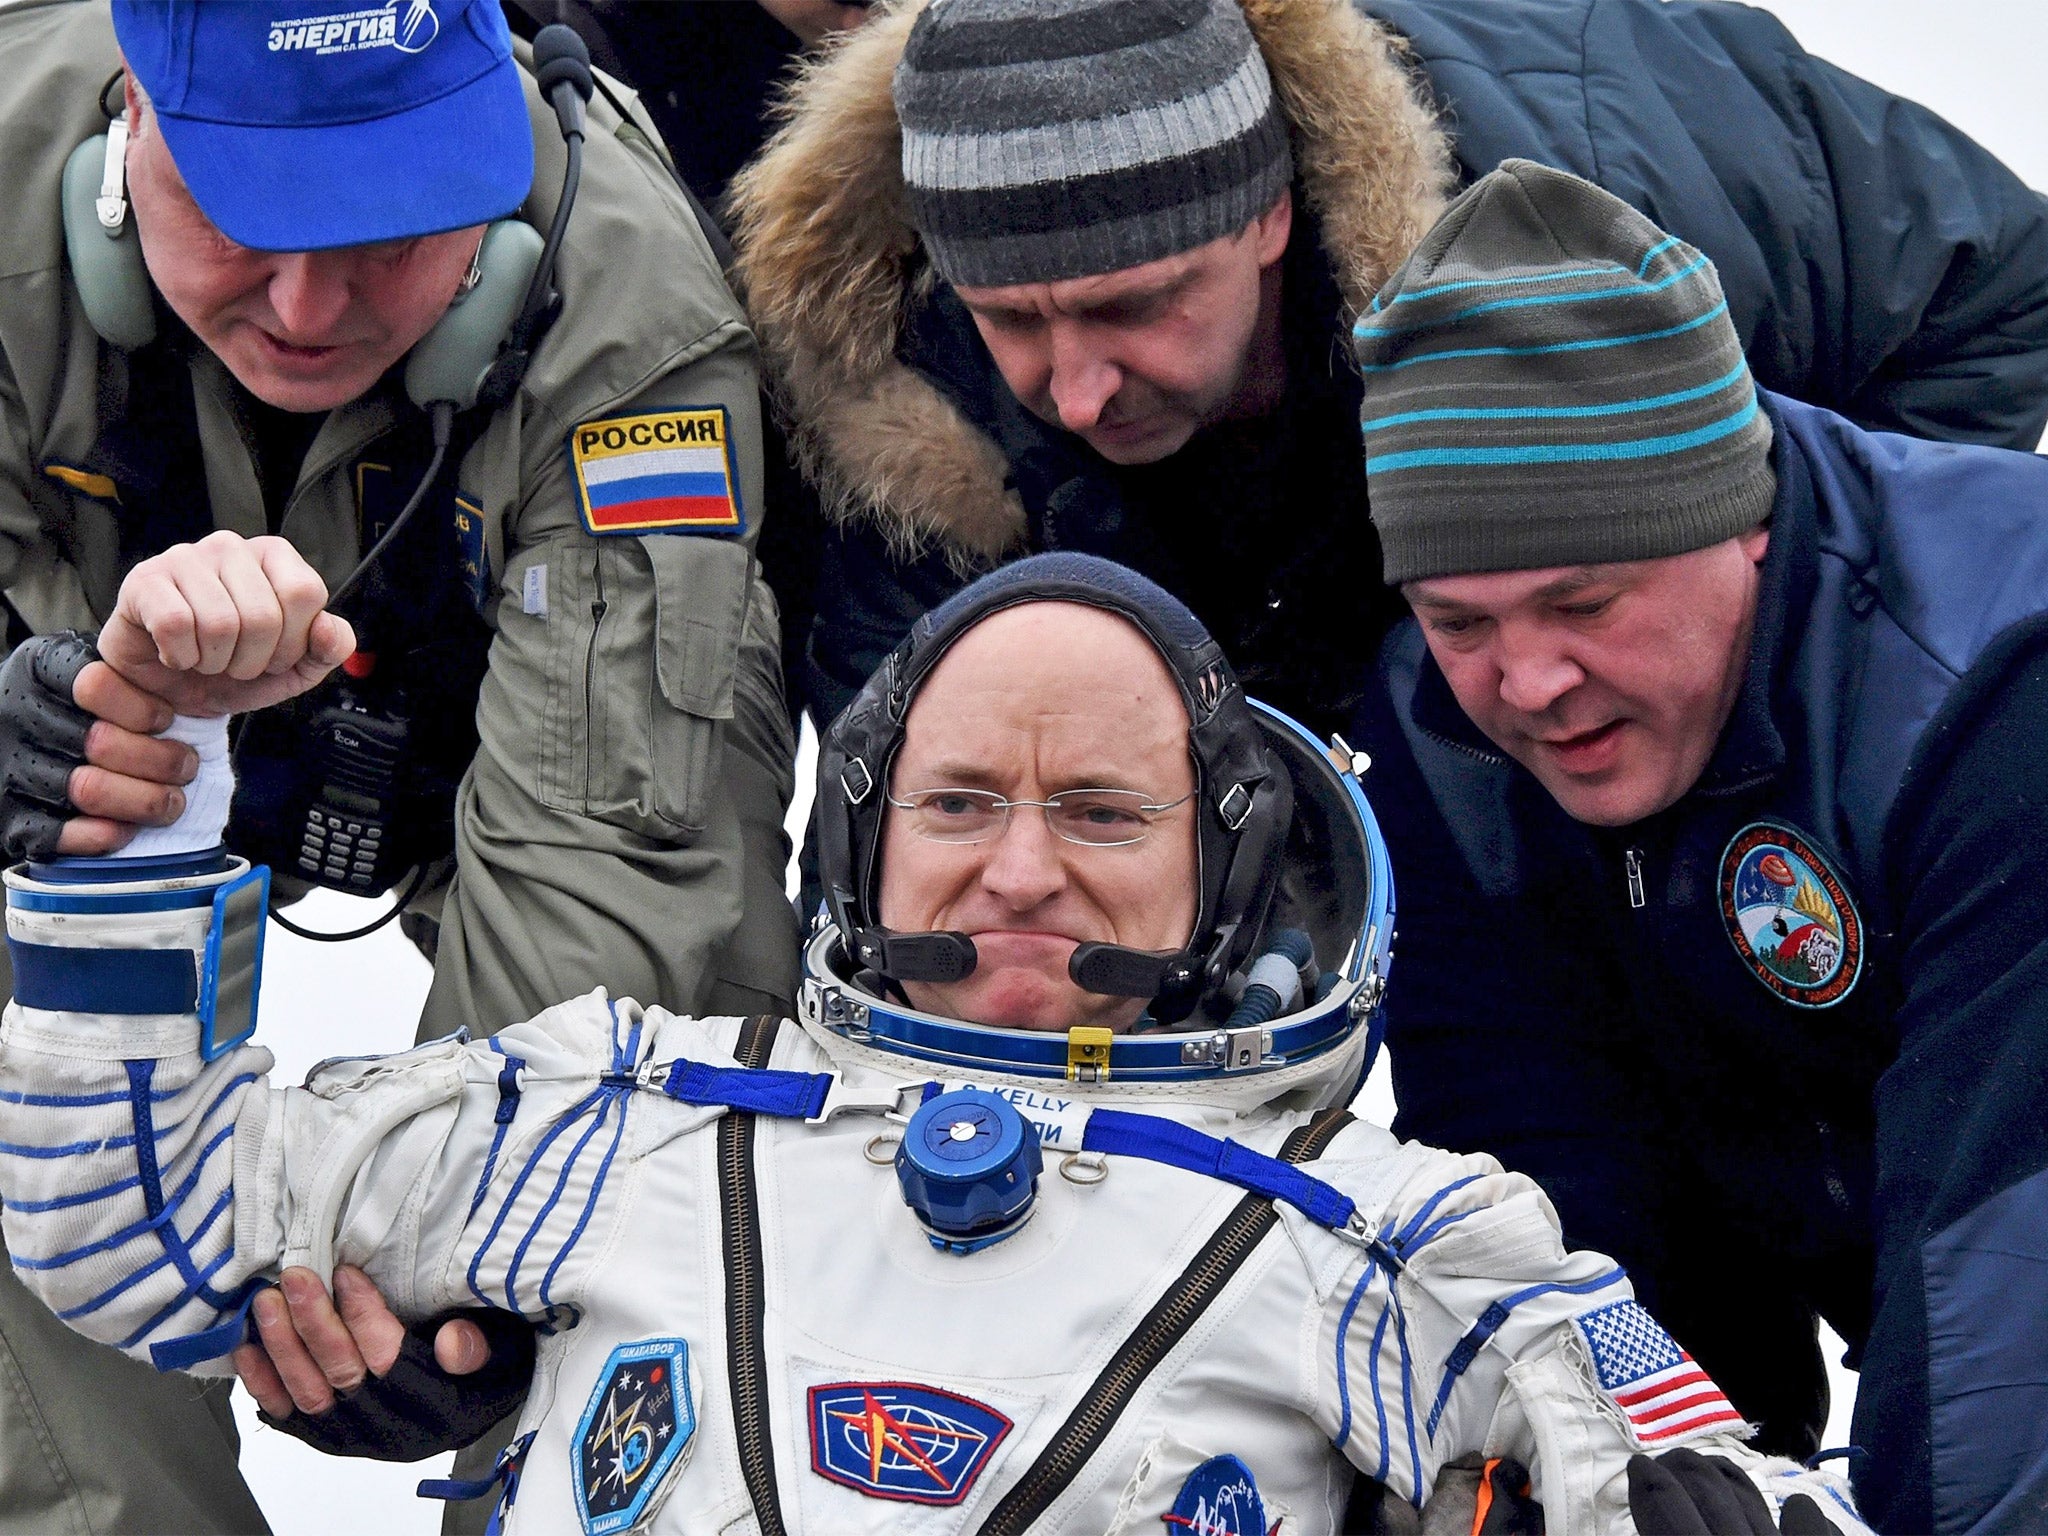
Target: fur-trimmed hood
{"points": [[828, 257]]}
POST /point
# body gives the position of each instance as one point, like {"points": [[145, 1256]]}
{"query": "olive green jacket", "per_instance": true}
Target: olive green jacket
{"points": [[621, 821]]}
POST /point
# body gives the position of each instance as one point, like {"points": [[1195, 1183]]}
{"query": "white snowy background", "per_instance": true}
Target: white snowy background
{"points": [[1977, 62]]}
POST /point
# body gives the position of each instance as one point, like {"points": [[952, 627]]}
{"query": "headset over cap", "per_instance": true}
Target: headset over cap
{"points": [[1244, 796]]}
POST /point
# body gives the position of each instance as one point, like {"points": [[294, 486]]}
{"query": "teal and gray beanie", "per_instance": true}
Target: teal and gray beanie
{"points": [[1550, 379], [1048, 139]]}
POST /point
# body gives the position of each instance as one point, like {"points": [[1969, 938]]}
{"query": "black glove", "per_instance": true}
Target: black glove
{"points": [[1683, 1493], [416, 1409], [1474, 1496], [1482, 1496], [42, 738]]}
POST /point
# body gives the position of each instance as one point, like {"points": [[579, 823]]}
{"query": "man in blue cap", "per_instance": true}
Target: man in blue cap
{"points": [[274, 288]]}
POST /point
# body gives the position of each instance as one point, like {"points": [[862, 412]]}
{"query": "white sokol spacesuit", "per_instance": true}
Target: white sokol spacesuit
{"points": [[791, 1277]]}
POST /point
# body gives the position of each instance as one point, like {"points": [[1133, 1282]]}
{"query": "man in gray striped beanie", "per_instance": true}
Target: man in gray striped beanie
{"points": [[1560, 427], [1137, 147]]}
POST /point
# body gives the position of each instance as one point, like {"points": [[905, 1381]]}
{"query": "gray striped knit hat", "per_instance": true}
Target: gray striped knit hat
{"points": [[1550, 379], [1047, 139]]}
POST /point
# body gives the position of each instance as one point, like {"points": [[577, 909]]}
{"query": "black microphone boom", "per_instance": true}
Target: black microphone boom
{"points": [[942, 956], [561, 68], [1114, 970], [560, 60]]}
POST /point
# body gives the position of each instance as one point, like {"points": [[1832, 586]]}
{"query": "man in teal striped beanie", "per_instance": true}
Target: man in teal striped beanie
{"points": [[1719, 720], [1552, 383], [1552, 379]]}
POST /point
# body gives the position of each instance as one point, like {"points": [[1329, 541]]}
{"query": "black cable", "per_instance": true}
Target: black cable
{"points": [[537, 291], [561, 69], [419, 876], [442, 416]]}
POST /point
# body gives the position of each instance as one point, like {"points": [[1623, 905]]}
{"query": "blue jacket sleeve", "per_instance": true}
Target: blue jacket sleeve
{"points": [[1955, 1379], [1877, 261]]}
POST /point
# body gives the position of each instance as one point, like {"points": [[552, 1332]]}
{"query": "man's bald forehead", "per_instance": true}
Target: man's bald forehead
{"points": [[1077, 638]]}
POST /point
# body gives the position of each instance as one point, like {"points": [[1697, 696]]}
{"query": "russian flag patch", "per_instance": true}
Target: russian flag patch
{"points": [[657, 472], [1655, 1384]]}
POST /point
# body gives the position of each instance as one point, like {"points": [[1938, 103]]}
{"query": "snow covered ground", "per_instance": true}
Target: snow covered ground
{"points": [[1975, 61]]}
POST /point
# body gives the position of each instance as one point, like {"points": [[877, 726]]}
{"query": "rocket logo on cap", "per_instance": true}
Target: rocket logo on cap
{"points": [[419, 28]]}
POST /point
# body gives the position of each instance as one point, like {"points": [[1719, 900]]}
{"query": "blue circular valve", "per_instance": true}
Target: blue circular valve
{"points": [[969, 1166]]}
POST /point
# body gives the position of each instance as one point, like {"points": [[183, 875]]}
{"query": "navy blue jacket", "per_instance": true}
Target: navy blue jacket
{"points": [[1793, 1031], [1875, 259]]}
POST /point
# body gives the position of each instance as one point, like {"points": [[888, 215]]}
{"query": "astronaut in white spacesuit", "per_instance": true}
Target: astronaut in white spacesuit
{"points": [[1045, 1215]]}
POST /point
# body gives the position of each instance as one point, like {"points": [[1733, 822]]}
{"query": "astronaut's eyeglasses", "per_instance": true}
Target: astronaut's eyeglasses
{"points": [[1095, 818]]}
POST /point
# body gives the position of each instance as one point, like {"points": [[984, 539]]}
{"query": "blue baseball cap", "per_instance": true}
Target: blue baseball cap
{"points": [[316, 123]]}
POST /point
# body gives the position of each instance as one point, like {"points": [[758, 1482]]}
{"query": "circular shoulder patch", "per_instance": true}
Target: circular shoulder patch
{"points": [[1789, 916]]}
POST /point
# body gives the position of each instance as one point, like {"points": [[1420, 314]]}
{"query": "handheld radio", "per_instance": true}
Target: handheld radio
{"points": [[352, 834]]}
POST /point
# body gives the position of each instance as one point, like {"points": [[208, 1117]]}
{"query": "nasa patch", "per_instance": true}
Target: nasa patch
{"points": [[1789, 916], [898, 1440], [1220, 1498], [632, 1433]]}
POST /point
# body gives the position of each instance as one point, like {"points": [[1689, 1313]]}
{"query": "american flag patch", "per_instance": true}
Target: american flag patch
{"points": [[1651, 1380]]}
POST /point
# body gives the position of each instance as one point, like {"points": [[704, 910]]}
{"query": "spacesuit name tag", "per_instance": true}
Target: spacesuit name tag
{"points": [[1060, 1123]]}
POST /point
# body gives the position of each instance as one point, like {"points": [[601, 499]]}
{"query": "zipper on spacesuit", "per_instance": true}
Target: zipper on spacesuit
{"points": [[1632, 861], [1096, 1415], [746, 1302]]}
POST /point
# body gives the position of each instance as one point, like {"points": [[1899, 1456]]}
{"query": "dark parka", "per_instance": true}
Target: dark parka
{"points": [[1727, 1127], [1876, 260]]}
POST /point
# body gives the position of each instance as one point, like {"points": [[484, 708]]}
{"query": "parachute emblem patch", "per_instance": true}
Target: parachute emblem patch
{"points": [[1789, 916], [897, 1440]]}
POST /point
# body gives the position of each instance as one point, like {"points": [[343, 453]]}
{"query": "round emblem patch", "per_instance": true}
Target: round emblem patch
{"points": [[1220, 1498], [1789, 916]]}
